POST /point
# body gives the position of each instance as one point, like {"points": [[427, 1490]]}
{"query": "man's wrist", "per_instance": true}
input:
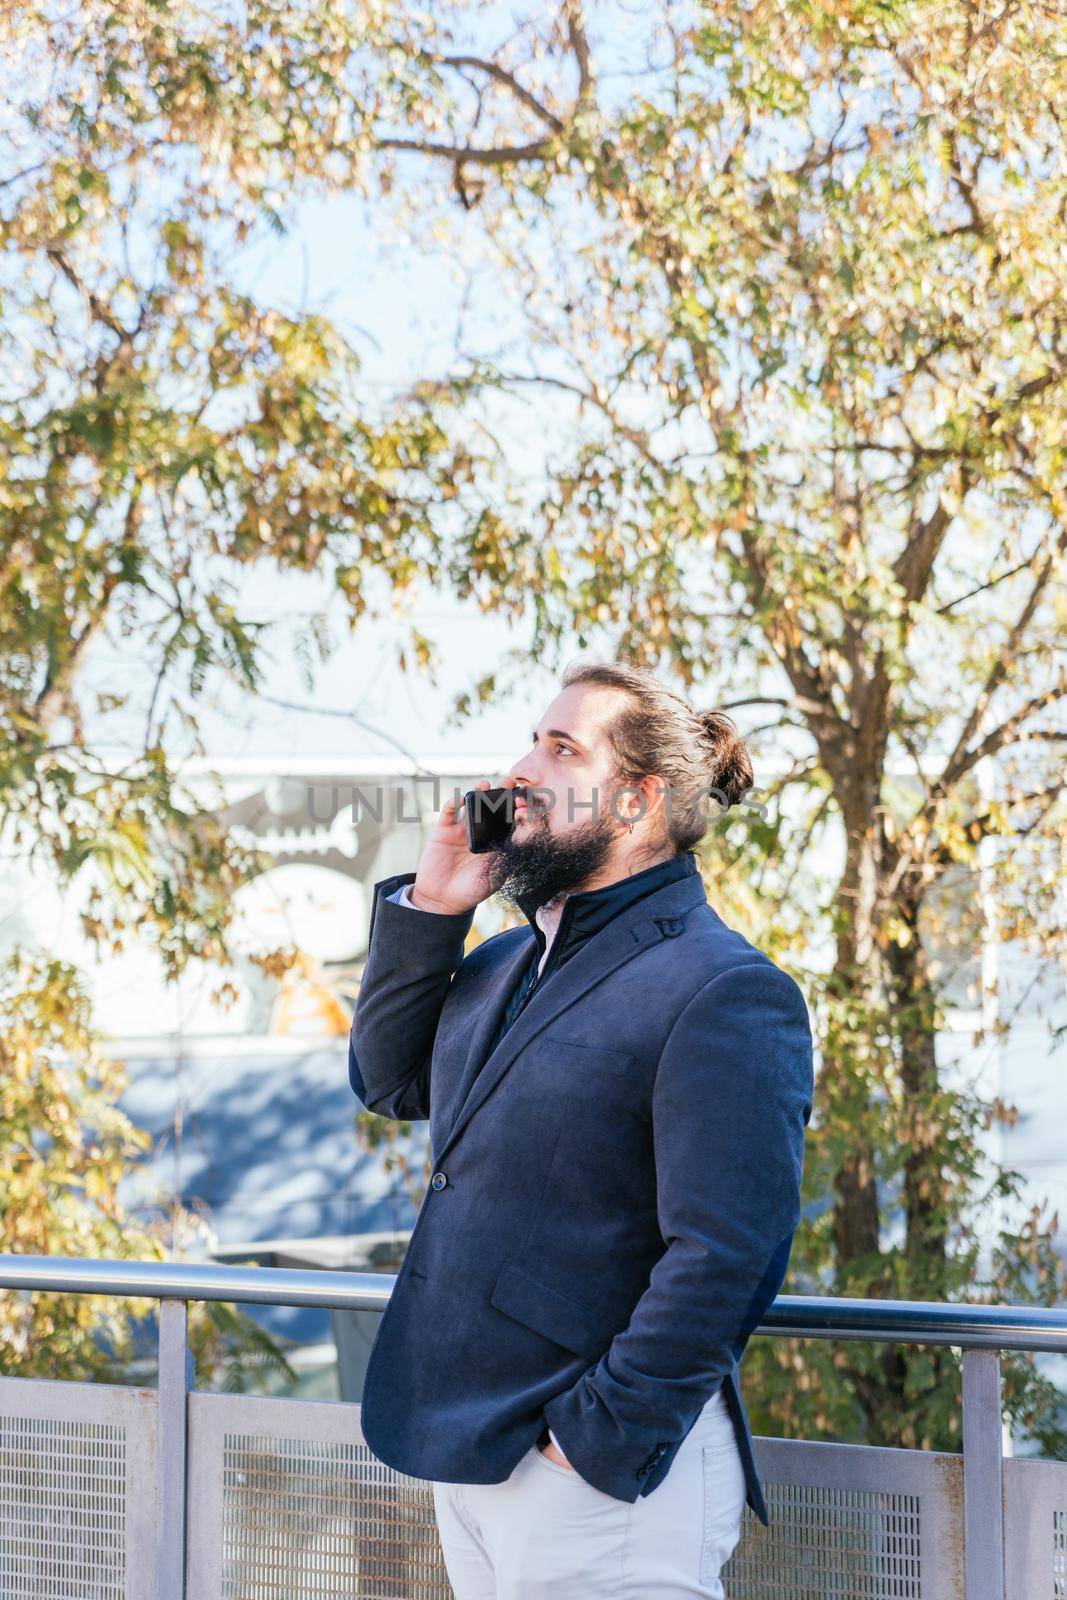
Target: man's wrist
{"points": [[403, 896], [424, 904]]}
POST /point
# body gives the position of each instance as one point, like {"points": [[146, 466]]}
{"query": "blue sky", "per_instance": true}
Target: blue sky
{"points": [[397, 306]]}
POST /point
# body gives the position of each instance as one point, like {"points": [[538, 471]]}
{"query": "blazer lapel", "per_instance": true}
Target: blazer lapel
{"points": [[632, 931], [482, 1027]]}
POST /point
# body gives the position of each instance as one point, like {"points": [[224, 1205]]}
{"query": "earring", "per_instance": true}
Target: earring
{"points": [[631, 827]]}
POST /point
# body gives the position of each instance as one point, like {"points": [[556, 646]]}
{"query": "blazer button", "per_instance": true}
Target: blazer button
{"points": [[438, 1181]]}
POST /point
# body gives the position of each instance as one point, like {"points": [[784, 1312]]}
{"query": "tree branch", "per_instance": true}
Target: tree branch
{"points": [[507, 79], [496, 156], [52, 698], [572, 12], [962, 759]]}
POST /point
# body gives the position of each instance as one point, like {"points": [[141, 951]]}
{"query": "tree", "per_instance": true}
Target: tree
{"points": [[800, 269], [162, 434], [798, 273], [64, 1147]]}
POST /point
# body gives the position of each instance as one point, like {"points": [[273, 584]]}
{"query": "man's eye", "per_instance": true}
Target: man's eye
{"points": [[564, 747]]}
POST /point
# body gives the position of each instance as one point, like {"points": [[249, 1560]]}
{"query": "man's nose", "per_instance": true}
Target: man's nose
{"points": [[524, 771], [528, 775]]}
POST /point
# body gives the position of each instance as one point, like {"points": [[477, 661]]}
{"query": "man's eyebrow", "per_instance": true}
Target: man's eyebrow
{"points": [[558, 733]]}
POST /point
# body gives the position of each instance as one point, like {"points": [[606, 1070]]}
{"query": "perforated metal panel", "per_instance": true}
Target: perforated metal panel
{"points": [[831, 1541], [302, 1518], [62, 1508], [1035, 1529], [853, 1523], [288, 1503], [76, 1491]]}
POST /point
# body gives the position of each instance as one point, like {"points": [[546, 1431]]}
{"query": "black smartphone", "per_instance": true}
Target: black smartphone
{"points": [[490, 815]]}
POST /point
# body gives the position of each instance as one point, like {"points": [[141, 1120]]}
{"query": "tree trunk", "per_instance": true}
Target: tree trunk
{"points": [[914, 1017], [856, 1232]]}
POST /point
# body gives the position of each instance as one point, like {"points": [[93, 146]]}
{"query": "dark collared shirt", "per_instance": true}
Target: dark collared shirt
{"points": [[583, 915]]}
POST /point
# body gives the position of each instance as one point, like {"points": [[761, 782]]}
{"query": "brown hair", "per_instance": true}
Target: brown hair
{"points": [[659, 732]]}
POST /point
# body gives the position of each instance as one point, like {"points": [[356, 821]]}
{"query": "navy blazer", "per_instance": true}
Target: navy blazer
{"points": [[614, 1194]]}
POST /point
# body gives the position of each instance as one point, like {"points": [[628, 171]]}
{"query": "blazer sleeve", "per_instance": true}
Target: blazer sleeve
{"points": [[411, 959], [731, 1100]]}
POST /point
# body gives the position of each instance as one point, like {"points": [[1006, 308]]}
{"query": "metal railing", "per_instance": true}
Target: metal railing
{"points": [[114, 1493]]}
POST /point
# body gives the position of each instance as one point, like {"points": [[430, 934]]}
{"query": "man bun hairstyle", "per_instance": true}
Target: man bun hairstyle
{"points": [[699, 754]]}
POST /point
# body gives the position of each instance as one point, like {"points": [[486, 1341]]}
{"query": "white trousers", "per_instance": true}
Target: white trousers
{"points": [[545, 1533]]}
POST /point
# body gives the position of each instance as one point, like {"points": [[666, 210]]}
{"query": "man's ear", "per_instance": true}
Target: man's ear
{"points": [[655, 792]]}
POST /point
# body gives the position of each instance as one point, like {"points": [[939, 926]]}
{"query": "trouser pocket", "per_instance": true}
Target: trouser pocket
{"points": [[555, 1466], [724, 1505]]}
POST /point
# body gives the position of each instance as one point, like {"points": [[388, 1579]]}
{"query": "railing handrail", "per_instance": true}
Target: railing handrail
{"points": [[972, 1327]]}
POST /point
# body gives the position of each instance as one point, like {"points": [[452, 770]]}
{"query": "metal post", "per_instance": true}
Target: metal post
{"points": [[983, 1477], [177, 1375]]}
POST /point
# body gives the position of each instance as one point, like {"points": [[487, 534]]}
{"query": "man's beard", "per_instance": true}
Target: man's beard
{"points": [[534, 870]]}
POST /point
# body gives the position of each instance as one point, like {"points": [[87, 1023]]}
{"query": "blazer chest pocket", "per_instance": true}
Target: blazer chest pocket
{"points": [[578, 1058], [555, 1316]]}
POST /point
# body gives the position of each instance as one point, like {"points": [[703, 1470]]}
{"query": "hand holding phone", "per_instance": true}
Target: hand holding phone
{"points": [[451, 877], [490, 815]]}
